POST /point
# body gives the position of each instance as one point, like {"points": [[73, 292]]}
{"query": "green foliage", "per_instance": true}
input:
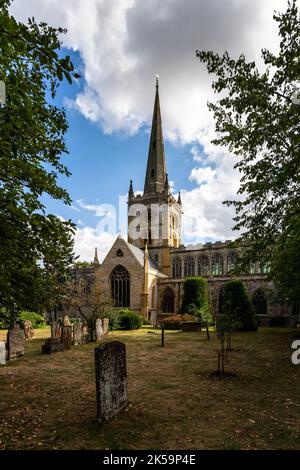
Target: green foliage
{"points": [[195, 299], [146, 322], [238, 308], [114, 318], [257, 119], [34, 246], [129, 320], [37, 320], [278, 320]]}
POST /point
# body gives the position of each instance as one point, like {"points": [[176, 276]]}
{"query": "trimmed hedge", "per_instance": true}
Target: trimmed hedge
{"points": [[238, 306], [129, 320], [195, 299]]}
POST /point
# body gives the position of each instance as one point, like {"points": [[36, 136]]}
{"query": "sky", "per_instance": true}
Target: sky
{"points": [[118, 47]]}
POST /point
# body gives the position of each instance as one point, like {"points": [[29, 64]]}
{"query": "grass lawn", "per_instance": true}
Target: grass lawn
{"points": [[48, 402]]}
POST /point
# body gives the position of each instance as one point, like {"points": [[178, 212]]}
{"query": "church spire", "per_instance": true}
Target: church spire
{"points": [[156, 167], [96, 259], [130, 192]]}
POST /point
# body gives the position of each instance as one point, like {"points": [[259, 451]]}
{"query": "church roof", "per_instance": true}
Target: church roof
{"points": [[139, 254], [156, 168]]}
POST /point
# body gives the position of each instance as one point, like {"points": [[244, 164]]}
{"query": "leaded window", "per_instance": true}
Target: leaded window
{"points": [[260, 302], [177, 267], [203, 266], [217, 265], [189, 266], [231, 261], [120, 287], [168, 302]]}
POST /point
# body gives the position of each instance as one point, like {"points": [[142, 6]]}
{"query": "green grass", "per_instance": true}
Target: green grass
{"points": [[48, 402]]}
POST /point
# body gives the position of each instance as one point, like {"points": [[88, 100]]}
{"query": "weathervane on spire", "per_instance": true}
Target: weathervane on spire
{"points": [[157, 80]]}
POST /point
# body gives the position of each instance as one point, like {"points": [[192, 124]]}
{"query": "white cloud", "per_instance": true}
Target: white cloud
{"points": [[87, 239], [124, 43]]}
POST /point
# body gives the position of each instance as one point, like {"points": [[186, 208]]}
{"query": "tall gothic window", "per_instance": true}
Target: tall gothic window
{"points": [[260, 302], [203, 266], [177, 267], [168, 302], [231, 261], [189, 266], [86, 286], [120, 287], [217, 265]]}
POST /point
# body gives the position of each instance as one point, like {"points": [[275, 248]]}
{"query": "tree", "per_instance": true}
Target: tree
{"points": [[257, 119], [36, 248], [238, 307], [195, 298]]}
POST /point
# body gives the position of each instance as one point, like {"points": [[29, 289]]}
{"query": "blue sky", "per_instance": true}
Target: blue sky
{"points": [[118, 47]]}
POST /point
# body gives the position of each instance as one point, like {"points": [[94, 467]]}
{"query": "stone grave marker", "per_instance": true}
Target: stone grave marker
{"points": [[99, 329], [111, 380], [28, 329], [52, 345], [66, 321], [77, 334], [105, 323], [55, 330], [66, 337], [2, 353], [15, 342], [85, 334]]}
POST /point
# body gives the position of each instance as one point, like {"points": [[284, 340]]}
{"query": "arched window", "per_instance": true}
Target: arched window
{"points": [[221, 300], [260, 302], [177, 267], [217, 265], [120, 287], [189, 266], [168, 302], [120, 253], [203, 266], [231, 261]]}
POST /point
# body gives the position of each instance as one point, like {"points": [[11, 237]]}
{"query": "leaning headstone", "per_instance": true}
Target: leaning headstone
{"points": [[99, 329], [55, 330], [15, 342], [66, 337], [105, 323], [2, 353], [66, 321], [111, 380], [52, 345], [77, 334], [28, 329]]}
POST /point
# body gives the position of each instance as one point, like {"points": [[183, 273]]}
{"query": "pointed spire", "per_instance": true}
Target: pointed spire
{"points": [[179, 198], [156, 167], [96, 259], [130, 192]]}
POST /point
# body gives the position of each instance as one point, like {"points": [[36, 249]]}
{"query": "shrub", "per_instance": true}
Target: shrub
{"points": [[114, 318], [238, 306], [146, 322], [129, 320], [37, 320], [195, 299], [278, 320]]}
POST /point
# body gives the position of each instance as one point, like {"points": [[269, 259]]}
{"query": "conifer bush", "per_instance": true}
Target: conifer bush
{"points": [[239, 307]]}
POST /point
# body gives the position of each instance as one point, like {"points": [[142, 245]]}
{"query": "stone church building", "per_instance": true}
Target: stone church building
{"points": [[146, 272]]}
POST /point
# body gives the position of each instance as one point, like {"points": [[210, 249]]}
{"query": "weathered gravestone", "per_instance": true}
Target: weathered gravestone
{"points": [[66, 337], [15, 342], [111, 380], [52, 345], [77, 334], [28, 329], [99, 330], [66, 321], [85, 334], [2, 353], [105, 323], [55, 330]]}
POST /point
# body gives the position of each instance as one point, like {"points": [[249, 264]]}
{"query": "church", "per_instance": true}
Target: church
{"points": [[146, 272]]}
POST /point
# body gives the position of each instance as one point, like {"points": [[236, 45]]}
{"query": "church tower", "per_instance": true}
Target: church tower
{"points": [[154, 218]]}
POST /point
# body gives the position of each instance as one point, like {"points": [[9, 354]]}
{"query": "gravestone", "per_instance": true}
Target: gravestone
{"points": [[52, 345], [66, 337], [66, 321], [105, 323], [15, 342], [77, 334], [28, 329], [85, 334], [2, 353], [99, 329], [55, 330], [111, 380]]}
